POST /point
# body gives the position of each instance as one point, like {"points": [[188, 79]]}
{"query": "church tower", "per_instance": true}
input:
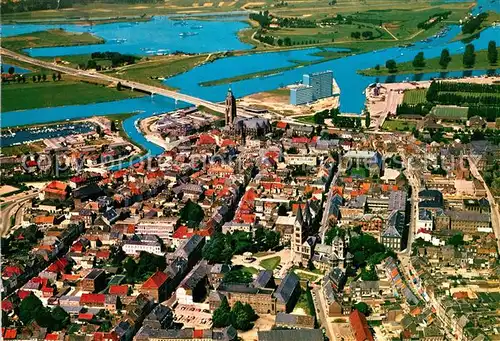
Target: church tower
{"points": [[230, 113]]}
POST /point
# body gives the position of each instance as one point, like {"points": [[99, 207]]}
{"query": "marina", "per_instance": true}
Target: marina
{"points": [[31, 134]]}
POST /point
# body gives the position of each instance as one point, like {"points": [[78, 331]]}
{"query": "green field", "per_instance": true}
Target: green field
{"points": [[270, 263], [53, 94], [451, 112], [75, 60], [432, 65], [148, 71], [398, 125], [49, 38], [416, 96]]}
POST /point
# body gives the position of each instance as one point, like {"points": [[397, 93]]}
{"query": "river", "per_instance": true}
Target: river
{"points": [[351, 84]]}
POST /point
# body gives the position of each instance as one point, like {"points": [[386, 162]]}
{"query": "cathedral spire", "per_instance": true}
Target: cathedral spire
{"points": [[230, 112]]}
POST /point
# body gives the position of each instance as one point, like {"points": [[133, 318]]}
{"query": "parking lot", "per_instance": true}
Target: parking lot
{"points": [[195, 316]]}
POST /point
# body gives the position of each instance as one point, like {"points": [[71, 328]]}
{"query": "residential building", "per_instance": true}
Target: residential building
{"points": [[134, 247], [301, 94], [94, 281], [321, 83], [162, 227], [156, 286], [393, 235], [360, 327]]}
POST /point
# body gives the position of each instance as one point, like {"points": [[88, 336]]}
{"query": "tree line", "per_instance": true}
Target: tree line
{"points": [[221, 247], [240, 317], [474, 23], [433, 20]]}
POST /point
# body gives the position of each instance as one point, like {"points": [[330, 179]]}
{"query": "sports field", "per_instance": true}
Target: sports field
{"points": [[450, 112], [416, 96]]}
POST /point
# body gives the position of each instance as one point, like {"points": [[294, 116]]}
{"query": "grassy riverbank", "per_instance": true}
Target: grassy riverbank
{"points": [[148, 71], [432, 65], [54, 94], [50, 38]]}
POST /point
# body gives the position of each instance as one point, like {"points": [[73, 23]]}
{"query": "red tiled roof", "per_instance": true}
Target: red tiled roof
{"points": [[360, 327], [44, 219], [58, 266], [301, 139], [77, 179], [100, 336], [7, 305], [56, 187], [155, 281], [92, 298], [197, 333], [9, 334], [52, 336], [206, 139], [281, 125], [11, 270], [460, 295], [103, 254], [85, 316], [120, 290], [23, 294]]}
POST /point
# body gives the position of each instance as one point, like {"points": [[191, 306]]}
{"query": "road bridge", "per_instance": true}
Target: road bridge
{"points": [[150, 89]]}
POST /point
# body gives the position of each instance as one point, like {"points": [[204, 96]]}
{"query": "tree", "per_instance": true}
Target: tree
{"points": [[282, 210], [492, 52], [391, 65], [33, 78], [377, 67], [456, 240], [29, 308], [239, 317], [287, 41], [469, 57], [362, 307], [445, 58], [367, 119], [119, 86], [60, 318], [59, 76], [11, 70], [192, 214], [252, 315], [44, 77], [113, 126], [130, 267], [54, 77], [38, 78], [280, 42], [98, 129], [419, 60], [222, 316]]}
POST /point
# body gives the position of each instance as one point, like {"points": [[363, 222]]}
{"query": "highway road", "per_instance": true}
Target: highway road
{"points": [[495, 215], [13, 208]]}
